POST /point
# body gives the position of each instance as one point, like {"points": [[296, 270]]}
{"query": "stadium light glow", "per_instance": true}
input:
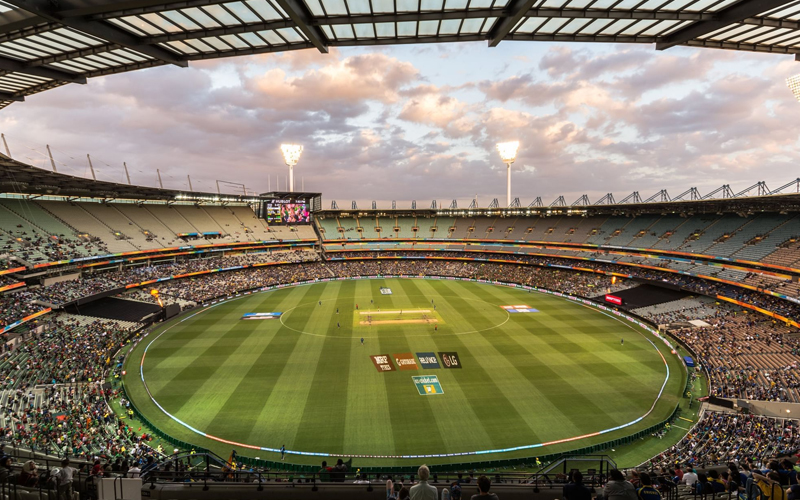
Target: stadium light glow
{"points": [[508, 153], [794, 86], [291, 155]]}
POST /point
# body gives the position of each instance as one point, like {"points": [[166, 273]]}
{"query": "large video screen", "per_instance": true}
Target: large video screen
{"points": [[287, 212]]}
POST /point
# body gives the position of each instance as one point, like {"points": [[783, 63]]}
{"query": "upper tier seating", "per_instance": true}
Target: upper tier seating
{"points": [[329, 228]]}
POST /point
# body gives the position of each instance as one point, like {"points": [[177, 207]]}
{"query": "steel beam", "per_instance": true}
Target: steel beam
{"points": [[99, 29], [227, 30], [7, 96], [8, 64], [80, 8], [736, 13], [16, 20], [302, 17], [122, 9], [516, 10]]}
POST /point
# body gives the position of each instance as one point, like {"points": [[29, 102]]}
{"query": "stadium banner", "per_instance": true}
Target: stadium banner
{"points": [[273, 315], [428, 360], [12, 270], [95, 260], [383, 362], [405, 361], [762, 311], [25, 320], [372, 244], [427, 385], [450, 359], [11, 286]]}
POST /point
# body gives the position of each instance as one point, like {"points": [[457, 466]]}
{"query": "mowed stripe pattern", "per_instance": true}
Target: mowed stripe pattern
{"points": [[307, 382]]}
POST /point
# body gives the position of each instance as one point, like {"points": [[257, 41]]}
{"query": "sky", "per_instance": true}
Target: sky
{"points": [[420, 122]]}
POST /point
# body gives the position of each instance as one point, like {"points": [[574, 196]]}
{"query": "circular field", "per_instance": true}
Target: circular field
{"points": [[553, 375]]}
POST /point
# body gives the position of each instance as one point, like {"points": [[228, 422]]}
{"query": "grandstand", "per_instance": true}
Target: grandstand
{"points": [[79, 268]]}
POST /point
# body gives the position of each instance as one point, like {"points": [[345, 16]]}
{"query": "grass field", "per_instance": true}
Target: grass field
{"points": [[305, 380]]}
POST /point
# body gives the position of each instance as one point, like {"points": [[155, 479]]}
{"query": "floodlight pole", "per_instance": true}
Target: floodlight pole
{"points": [[508, 153], [291, 155], [8, 151], [91, 167], [125, 165], [52, 162], [508, 184]]}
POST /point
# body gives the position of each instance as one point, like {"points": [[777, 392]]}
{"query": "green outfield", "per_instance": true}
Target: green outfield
{"points": [[486, 378]]}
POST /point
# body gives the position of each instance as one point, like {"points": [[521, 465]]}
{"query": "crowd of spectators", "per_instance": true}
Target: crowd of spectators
{"points": [[36, 247], [68, 349], [720, 438], [785, 308], [18, 304], [748, 356], [74, 420]]}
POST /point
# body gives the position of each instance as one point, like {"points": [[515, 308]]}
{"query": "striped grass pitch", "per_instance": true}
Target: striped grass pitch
{"points": [[307, 381]]}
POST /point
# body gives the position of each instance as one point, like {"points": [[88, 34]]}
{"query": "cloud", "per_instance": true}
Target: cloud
{"points": [[421, 123]]}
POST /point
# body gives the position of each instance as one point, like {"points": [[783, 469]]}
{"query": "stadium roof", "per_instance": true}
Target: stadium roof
{"points": [[49, 43], [19, 178]]}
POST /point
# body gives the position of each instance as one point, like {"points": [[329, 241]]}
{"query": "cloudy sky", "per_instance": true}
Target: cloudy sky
{"points": [[420, 122]]}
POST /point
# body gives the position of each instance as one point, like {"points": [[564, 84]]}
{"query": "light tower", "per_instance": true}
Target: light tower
{"points": [[508, 153], [291, 155], [794, 86]]}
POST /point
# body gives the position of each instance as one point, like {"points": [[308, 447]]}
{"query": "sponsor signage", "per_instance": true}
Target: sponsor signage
{"points": [[383, 362], [520, 309], [428, 360], [428, 385], [450, 359], [405, 361], [386, 291], [274, 315], [614, 299]]}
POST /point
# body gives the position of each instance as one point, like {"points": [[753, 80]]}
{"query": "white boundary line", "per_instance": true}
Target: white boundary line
{"points": [[435, 455]]}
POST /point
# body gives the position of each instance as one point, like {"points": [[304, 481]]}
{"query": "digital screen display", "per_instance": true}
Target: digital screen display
{"points": [[614, 299], [287, 212]]}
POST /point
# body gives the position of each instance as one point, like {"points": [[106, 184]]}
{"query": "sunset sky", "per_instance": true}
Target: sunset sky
{"points": [[420, 122]]}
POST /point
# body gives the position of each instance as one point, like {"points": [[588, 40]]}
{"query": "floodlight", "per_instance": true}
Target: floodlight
{"points": [[508, 153], [291, 155], [794, 86]]}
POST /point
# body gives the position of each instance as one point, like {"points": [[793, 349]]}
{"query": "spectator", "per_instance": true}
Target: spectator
{"points": [[646, 491], [5, 470], [689, 477], [617, 488], [29, 476], [339, 471], [575, 489], [423, 490], [65, 476], [484, 483]]}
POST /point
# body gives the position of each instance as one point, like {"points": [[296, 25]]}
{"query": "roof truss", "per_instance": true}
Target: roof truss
{"points": [[736, 13], [47, 43]]}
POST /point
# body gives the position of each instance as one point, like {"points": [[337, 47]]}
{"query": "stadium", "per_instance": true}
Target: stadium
{"points": [[181, 343]]}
